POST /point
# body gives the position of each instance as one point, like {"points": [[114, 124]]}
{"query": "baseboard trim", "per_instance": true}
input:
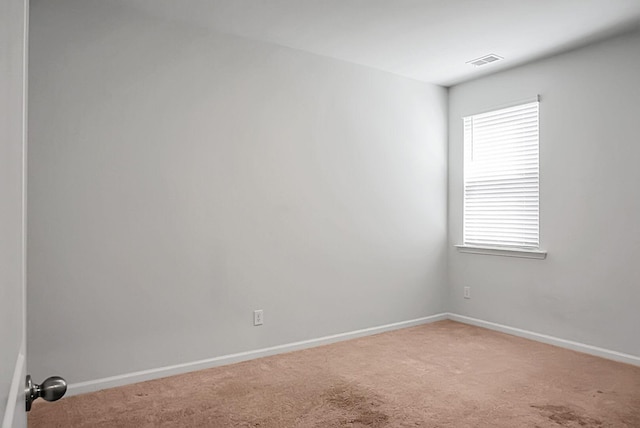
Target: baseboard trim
{"points": [[14, 393], [551, 340], [144, 375]]}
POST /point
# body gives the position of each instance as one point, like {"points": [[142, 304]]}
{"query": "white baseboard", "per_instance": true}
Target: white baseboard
{"points": [[129, 378], [551, 340], [141, 376]]}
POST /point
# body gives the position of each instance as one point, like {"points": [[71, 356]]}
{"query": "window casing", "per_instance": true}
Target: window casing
{"points": [[501, 178]]}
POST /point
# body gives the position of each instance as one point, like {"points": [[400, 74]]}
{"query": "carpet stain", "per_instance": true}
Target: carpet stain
{"points": [[364, 404], [345, 404], [565, 416]]}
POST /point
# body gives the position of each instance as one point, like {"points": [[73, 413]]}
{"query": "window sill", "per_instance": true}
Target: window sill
{"points": [[505, 252]]}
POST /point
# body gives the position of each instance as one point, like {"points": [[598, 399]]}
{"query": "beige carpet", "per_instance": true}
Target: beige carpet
{"points": [[443, 374]]}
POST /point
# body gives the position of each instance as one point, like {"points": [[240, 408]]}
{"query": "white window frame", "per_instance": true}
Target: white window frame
{"points": [[490, 238]]}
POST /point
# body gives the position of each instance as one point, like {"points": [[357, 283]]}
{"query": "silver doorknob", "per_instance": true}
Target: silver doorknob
{"points": [[51, 389]]}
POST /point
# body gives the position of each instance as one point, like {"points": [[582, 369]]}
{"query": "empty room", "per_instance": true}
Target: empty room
{"points": [[320, 213]]}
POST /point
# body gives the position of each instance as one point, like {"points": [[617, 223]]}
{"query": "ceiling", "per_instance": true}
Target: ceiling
{"points": [[427, 40]]}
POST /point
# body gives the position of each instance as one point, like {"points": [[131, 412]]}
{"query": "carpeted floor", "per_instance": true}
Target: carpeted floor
{"points": [[444, 374]]}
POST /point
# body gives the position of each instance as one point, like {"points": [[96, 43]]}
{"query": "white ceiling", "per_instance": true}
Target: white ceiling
{"points": [[428, 40]]}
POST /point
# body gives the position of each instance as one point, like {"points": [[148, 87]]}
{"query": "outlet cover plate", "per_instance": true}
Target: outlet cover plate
{"points": [[258, 317]]}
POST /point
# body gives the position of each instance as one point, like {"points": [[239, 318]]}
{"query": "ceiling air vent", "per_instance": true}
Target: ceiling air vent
{"points": [[485, 60]]}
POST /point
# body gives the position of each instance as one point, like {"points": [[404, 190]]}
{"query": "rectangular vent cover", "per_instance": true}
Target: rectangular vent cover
{"points": [[485, 60]]}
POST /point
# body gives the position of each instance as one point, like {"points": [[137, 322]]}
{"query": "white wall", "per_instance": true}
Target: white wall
{"points": [[588, 288], [178, 180], [12, 97]]}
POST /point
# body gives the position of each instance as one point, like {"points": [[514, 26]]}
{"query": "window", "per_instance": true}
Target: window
{"points": [[501, 178]]}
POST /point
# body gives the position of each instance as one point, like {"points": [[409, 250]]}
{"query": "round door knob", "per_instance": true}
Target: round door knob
{"points": [[52, 389]]}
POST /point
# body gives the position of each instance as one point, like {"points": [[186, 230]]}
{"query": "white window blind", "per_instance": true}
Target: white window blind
{"points": [[501, 178]]}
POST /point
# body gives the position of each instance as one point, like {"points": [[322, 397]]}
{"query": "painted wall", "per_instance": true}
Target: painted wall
{"points": [[12, 261], [179, 179], [588, 288]]}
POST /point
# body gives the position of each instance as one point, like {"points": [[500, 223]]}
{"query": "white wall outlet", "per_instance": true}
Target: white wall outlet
{"points": [[467, 292], [258, 317]]}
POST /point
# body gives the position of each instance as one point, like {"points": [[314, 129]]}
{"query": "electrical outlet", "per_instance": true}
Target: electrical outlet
{"points": [[258, 317], [467, 292]]}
